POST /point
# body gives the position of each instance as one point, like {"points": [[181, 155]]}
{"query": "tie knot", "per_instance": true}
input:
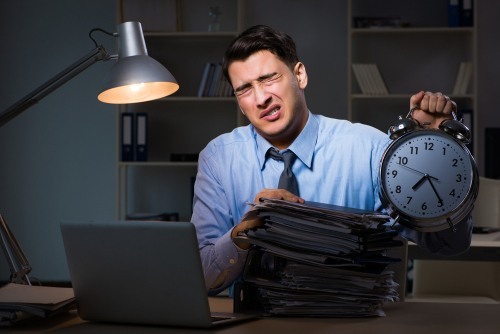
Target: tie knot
{"points": [[287, 179], [288, 157]]}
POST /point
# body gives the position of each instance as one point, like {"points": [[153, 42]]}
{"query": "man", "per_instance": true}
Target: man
{"points": [[337, 161]]}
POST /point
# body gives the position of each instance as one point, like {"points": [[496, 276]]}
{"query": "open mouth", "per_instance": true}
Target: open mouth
{"points": [[272, 112]]}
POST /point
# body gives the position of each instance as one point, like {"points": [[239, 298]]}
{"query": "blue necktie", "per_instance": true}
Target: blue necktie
{"points": [[287, 179]]}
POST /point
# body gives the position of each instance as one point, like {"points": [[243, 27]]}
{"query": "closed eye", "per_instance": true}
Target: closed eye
{"points": [[271, 79], [242, 90], [266, 80]]}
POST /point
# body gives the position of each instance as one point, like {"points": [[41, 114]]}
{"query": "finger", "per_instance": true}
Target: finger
{"points": [[293, 198], [424, 103], [442, 101], [450, 107], [288, 196], [416, 99], [278, 194], [433, 100]]}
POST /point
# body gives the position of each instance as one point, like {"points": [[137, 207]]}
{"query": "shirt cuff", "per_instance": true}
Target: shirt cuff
{"points": [[228, 254]]}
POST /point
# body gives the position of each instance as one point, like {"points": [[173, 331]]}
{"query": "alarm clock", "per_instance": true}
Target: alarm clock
{"points": [[428, 178]]}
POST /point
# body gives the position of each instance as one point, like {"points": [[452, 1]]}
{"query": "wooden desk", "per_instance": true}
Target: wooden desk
{"points": [[407, 318], [484, 247]]}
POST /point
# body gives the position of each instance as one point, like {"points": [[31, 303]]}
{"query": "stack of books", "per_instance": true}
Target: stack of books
{"points": [[19, 302], [369, 79], [319, 260], [213, 83], [464, 76]]}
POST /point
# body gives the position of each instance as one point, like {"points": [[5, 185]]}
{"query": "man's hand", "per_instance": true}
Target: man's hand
{"points": [[278, 194], [250, 222], [430, 109]]}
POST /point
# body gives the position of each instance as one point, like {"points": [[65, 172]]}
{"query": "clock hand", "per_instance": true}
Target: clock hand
{"points": [[419, 172], [419, 182], [435, 191]]}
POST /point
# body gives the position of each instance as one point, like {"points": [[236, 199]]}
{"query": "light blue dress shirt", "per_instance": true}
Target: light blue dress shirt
{"points": [[337, 163]]}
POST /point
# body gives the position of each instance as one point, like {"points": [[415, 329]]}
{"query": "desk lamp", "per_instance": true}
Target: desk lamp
{"points": [[135, 77]]}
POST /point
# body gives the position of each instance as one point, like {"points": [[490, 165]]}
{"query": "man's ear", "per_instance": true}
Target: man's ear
{"points": [[301, 74]]}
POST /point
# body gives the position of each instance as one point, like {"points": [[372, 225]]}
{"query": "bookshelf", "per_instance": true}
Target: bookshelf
{"points": [[179, 126], [416, 46]]}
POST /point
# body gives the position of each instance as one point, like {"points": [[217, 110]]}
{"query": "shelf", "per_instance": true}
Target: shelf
{"points": [[185, 34], [197, 99], [157, 164], [412, 30], [404, 96]]}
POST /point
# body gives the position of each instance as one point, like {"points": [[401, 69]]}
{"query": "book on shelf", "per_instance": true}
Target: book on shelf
{"points": [[463, 78], [369, 79], [213, 82], [19, 301], [204, 79]]}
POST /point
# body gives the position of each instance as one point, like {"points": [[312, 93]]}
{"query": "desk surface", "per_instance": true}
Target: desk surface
{"points": [[407, 318]]}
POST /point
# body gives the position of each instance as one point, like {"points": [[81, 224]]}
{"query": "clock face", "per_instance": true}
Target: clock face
{"points": [[426, 174]]}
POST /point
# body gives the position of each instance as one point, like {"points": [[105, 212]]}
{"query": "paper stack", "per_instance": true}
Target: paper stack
{"points": [[319, 260], [19, 302]]}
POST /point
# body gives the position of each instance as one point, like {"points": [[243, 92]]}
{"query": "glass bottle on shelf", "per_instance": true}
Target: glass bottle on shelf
{"points": [[213, 25]]}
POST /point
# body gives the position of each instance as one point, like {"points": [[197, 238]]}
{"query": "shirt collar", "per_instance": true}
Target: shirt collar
{"points": [[302, 146]]}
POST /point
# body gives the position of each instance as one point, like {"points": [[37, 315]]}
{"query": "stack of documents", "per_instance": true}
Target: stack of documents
{"points": [[319, 260], [19, 302]]}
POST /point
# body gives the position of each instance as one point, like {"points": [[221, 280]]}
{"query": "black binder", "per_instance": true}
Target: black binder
{"points": [[127, 136], [141, 137]]}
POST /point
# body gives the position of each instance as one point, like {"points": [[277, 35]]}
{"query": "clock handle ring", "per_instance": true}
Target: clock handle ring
{"points": [[453, 126]]}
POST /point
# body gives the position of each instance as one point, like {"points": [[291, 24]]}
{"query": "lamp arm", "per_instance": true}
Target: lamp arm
{"points": [[97, 54], [18, 263]]}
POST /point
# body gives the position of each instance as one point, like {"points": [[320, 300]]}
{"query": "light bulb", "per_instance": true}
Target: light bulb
{"points": [[138, 92]]}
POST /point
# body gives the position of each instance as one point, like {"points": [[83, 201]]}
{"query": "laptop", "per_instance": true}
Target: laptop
{"points": [[139, 272]]}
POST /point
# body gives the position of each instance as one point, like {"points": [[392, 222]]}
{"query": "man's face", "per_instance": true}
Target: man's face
{"points": [[271, 96]]}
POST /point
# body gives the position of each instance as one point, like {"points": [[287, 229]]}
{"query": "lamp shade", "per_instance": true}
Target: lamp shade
{"points": [[135, 77]]}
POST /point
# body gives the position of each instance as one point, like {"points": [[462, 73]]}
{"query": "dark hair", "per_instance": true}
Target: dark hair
{"points": [[260, 38]]}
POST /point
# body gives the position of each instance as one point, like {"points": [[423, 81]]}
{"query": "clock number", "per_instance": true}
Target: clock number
{"points": [[459, 178], [440, 204], [409, 199], [444, 150], [394, 173], [413, 150], [398, 189], [429, 146], [403, 160], [452, 193], [424, 206], [455, 163]]}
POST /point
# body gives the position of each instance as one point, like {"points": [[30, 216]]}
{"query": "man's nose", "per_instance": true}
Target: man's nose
{"points": [[262, 97]]}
